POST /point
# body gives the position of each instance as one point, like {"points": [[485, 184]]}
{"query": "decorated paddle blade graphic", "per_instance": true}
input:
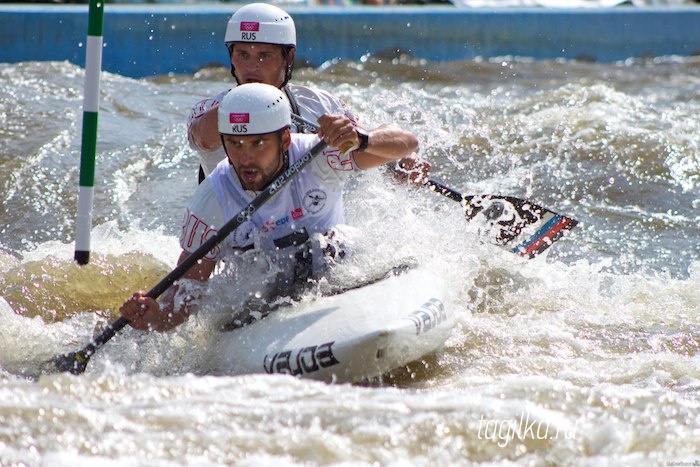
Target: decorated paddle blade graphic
{"points": [[507, 220]]}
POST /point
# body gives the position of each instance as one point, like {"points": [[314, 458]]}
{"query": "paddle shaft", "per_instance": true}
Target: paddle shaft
{"points": [[460, 198], [77, 362], [445, 190]]}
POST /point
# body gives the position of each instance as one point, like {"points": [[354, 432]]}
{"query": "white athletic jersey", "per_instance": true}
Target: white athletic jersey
{"points": [[311, 200], [310, 104]]}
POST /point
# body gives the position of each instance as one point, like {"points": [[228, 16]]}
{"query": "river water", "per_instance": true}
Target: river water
{"points": [[588, 355]]}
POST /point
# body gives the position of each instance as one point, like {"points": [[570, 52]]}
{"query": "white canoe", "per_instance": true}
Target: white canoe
{"points": [[355, 336]]}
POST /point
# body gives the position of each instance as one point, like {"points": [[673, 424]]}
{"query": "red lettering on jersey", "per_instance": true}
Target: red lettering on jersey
{"points": [[195, 233], [338, 161]]}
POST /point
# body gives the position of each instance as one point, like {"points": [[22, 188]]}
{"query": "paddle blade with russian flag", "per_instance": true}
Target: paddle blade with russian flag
{"points": [[527, 228], [551, 227]]}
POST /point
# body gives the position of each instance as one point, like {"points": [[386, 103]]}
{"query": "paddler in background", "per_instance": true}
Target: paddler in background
{"points": [[261, 42], [295, 229]]}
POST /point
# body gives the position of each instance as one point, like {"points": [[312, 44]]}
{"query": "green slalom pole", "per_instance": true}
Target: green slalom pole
{"points": [[93, 67]]}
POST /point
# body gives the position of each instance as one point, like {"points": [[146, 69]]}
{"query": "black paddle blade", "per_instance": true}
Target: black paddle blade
{"points": [[513, 221], [74, 362]]}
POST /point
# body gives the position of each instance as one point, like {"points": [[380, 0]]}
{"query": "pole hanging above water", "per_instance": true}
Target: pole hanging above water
{"points": [[93, 67]]}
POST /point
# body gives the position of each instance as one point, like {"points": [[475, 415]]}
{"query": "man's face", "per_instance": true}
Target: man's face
{"points": [[257, 158], [260, 63]]}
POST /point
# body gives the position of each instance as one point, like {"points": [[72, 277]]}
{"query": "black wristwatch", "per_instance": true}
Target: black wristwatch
{"points": [[364, 139]]}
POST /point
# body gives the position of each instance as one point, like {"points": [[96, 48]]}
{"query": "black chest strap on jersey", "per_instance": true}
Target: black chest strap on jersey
{"points": [[295, 238], [295, 107]]}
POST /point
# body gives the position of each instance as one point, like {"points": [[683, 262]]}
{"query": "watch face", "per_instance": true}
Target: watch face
{"points": [[364, 139]]}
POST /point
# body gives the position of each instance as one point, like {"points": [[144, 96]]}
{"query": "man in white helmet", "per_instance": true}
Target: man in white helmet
{"points": [[293, 228], [261, 41]]}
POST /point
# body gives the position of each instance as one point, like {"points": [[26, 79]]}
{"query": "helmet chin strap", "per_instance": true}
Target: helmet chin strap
{"points": [[283, 154]]}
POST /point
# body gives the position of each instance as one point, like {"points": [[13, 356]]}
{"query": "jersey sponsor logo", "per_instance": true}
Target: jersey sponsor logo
{"points": [[250, 26], [245, 214], [194, 233], [272, 224], [338, 161], [431, 314], [301, 361], [234, 117], [297, 213], [315, 200]]}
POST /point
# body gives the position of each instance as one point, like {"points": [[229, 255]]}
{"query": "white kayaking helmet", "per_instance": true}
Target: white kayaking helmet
{"points": [[262, 23], [253, 109]]}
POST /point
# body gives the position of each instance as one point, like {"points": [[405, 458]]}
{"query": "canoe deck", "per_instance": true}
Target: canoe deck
{"points": [[350, 337]]}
